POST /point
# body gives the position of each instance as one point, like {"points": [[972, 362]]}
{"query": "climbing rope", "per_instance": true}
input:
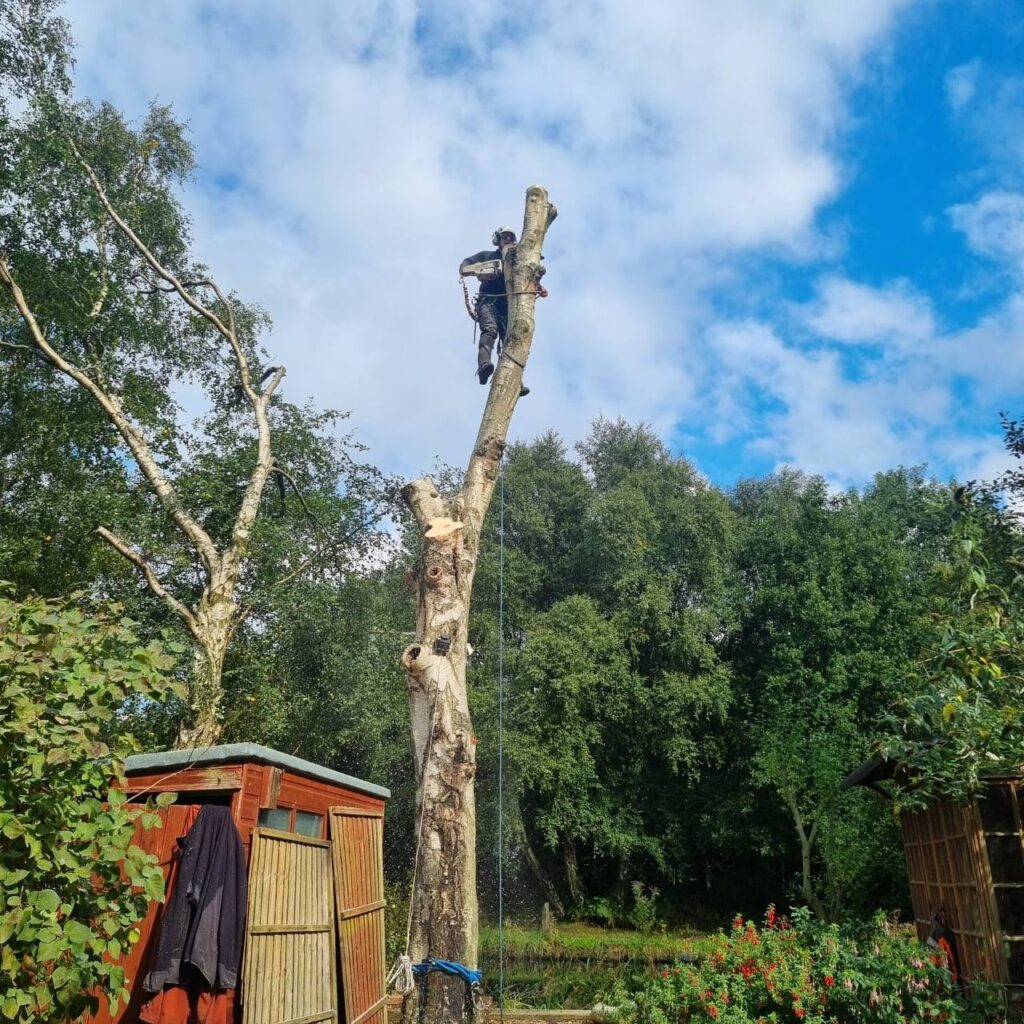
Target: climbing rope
{"points": [[501, 738], [401, 973]]}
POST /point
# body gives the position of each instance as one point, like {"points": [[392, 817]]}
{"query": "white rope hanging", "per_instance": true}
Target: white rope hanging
{"points": [[401, 975]]}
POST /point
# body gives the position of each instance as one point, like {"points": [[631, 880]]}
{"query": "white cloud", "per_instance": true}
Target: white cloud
{"points": [[815, 417], [994, 226], [847, 311], [371, 144], [962, 84]]}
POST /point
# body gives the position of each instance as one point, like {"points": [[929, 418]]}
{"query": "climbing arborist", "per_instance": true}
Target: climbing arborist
{"points": [[491, 299]]}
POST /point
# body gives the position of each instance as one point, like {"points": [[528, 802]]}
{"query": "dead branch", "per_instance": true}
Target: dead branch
{"points": [[168, 497], [154, 584]]}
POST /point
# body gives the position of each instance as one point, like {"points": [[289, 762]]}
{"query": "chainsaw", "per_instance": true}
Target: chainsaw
{"points": [[486, 270]]}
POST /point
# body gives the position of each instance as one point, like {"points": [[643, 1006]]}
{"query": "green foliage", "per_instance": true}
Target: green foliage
{"points": [[798, 972], [65, 674], [838, 587], [963, 715]]}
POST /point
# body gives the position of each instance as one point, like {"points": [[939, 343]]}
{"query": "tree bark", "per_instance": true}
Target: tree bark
{"points": [[572, 872], [551, 894], [445, 922], [806, 846]]}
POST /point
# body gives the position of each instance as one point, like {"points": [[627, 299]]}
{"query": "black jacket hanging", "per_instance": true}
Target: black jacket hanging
{"points": [[204, 926]]}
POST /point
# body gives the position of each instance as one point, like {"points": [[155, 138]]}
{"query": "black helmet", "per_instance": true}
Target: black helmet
{"points": [[498, 232]]}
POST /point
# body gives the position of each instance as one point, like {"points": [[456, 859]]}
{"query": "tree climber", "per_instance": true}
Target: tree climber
{"points": [[491, 299]]}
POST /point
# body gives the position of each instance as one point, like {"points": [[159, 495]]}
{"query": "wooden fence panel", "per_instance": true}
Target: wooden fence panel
{"points": [[289, 975], [947, 867], [357, 839]]}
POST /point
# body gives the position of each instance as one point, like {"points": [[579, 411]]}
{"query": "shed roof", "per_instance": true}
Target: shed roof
{"points": [[870, 773], [233, 753]]}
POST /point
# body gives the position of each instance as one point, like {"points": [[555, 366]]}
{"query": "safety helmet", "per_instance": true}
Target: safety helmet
{"points": [[498, 232]]}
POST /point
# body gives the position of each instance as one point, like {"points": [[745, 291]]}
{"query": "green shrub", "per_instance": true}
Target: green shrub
{"points": [[798, 972], [72, 884]]}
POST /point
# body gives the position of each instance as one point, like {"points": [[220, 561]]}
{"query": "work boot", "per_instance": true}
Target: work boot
{"points": [[523, 390], [484, 372]]}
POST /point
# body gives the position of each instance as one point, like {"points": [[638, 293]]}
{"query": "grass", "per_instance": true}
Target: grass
{"points": [[587, 942], [574, 965]]}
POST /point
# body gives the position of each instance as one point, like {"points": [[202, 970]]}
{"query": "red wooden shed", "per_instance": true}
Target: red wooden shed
{"points": [[272, 796]]}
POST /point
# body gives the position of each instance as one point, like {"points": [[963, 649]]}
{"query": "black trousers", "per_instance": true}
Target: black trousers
{"points": [[492, 316]]}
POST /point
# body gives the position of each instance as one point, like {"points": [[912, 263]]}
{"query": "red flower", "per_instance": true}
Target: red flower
{"points": [[799, 1011], [713, 1011], [829, 981], [771, 916]]}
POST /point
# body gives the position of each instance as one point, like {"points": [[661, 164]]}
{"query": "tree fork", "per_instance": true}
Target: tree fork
{"points": [[444, 914]]}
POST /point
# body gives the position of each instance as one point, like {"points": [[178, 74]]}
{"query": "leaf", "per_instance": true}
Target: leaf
{"points": [[77, 933], [155, 886], [46, 901]]}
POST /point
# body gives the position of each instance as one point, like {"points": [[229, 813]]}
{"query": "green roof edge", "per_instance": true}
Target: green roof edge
{"points": [[228, 752]]}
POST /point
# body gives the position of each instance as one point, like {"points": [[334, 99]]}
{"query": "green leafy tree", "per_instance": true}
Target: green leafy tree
{"points": [[74, 886], [105, 313], [963, 715], [617, 593], [838, 585]]}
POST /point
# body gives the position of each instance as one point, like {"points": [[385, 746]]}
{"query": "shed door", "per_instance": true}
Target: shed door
{"points": [[357, 838], [288, 974]]}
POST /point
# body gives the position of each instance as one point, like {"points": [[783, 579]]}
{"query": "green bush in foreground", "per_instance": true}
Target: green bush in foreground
{"points": [[72, 884], [799, 972]]}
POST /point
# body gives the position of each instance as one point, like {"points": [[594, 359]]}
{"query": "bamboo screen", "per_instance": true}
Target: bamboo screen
{"points": [[1004, 843], [948, 867], [289, 973], [357, 836]]}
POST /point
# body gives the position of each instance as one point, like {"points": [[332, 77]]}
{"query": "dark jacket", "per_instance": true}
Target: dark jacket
{"points": [[204, 924], [495, 287]]}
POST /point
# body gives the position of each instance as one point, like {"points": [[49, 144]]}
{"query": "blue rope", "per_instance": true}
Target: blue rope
{"points": [[470, 977], [501, 742]]}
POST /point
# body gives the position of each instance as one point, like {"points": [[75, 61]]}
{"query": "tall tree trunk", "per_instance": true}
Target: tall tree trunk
{"points": [[445, 921], [572, 872], [806, 846], [551, 894], [215, 615]]}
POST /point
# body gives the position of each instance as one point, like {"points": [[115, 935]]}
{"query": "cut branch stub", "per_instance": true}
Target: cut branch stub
{"points": [[416, 658], [442, 528]]}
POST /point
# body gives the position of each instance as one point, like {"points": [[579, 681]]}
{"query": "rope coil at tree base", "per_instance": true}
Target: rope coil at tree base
{"points": [[471, 978]]}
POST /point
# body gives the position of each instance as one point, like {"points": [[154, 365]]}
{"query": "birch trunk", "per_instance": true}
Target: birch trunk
{"points": [[444, 913]]}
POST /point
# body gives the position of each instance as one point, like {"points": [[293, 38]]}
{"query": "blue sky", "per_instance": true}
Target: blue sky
{"points": [[790, 232]]}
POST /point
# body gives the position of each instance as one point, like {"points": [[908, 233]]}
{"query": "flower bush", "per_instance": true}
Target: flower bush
{"points": [[798, 972]]}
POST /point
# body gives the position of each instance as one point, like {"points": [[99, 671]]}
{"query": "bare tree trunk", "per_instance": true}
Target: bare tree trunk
{"points": [[551, 894], [572, 872], [806, 846], [445, 921]]}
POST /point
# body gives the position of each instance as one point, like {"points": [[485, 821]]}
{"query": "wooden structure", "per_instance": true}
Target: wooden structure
{"points": [[290, 938], [357, 835], [969, 861], [282, 807]]}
